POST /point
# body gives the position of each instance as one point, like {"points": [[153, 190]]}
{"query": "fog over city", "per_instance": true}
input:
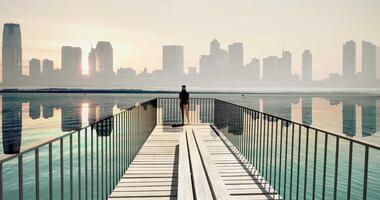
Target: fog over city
{"points": [[157, 45]]}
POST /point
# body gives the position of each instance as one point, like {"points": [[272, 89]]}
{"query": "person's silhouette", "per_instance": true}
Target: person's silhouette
{"points": [[184, 103]]}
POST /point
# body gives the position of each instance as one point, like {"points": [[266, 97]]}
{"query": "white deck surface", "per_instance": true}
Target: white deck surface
{"points": [[209, 168]]}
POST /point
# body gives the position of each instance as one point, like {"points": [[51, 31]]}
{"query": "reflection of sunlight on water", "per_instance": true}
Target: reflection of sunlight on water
{"points": [[85, 111], [359, 122], [326, 114], [115, 109]]}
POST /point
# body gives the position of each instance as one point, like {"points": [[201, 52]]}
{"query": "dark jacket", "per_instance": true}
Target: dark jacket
{"points": [[184, 97]]}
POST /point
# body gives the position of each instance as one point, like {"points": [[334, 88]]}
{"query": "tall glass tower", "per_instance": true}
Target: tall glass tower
{"points": [[12, 55]]}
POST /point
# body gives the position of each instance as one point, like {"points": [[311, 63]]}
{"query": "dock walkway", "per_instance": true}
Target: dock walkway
{"points": [[190, 162]]}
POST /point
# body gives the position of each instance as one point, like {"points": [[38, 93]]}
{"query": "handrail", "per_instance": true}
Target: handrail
{"points": [[366, 143], [6, 157], [124, 133], [340, 135]]}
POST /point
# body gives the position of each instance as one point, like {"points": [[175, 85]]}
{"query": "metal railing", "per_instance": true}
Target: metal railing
{"points": [[84, 164], [201, 110], [299, 161]]}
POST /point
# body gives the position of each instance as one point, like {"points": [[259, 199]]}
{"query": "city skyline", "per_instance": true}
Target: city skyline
{"points": [[138, 29], [217, 68]]}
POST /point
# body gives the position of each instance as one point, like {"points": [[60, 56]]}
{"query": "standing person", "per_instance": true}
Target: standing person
{"points": [[184, 103]]}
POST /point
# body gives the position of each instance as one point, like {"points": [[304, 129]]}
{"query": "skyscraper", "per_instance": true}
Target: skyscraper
{"points": [[307, 62], [92, 62], [104, 58], [235, 55], [205, 65], [172, 60], [66, 59], [47, 67], [214, 47], [11, 55], [253, 69], [34, 69], [48, 75], [270, 65], [368, 60], [285, 66], [349, 60], [71, 58]]}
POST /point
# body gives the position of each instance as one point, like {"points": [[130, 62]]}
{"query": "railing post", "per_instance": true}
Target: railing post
{"points": [[50, 172], [1, 181], [20, 178], [306, 159], [298, 161], [71, 166], [61, 168], [291, 164], [92, 162], [365, 181], [324, 167], [336, 167], [79, 167], [286, 157], [349, 171], [85, 164], [37, 172], [315, 162]]}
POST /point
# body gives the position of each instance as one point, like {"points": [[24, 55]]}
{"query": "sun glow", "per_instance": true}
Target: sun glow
{"points": [[85, 111]]}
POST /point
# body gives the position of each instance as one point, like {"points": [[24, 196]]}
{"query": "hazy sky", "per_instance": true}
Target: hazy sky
{"points": [[138, 28]]}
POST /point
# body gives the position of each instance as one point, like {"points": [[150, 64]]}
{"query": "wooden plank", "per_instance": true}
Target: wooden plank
{"points": [[144, 193], [142, 198], [146, 184], [146, 189], [168, 175], [146, 179], [220, 190], [185, 189], [255, 197], [201, 186]]}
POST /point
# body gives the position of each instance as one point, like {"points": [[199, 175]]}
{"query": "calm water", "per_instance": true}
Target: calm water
{"points": [[28, 119]]}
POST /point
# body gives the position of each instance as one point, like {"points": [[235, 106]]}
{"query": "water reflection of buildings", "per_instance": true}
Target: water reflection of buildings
{"points": [[368, 116], [307, 110], [11, 124], [71, 114], [368, 113], [349, 116], [279, 106]]}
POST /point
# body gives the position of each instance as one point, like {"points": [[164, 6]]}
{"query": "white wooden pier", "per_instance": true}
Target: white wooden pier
{"points": [[191, 162]]}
